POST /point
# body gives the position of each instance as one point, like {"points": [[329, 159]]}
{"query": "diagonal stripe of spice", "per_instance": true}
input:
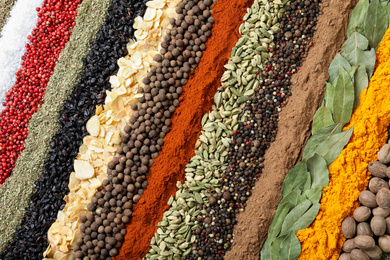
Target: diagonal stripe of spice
{"points": [[179, 56]]}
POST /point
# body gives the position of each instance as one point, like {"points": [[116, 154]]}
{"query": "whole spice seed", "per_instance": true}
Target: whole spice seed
{"points": [[89, 92], [197, 99], [178, 58], [56, 19], [5, 9], [253, 136], [340, 197], [23, 18], [16, 191]]}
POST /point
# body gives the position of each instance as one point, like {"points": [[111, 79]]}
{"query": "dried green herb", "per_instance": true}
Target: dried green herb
{"points": [[343, 98], [294, 198], [319, 171], [295, 178], [334, 68], [322, 118], [294, 216], [358, 16], [319, 137], [331, 148], [314, 195], [277, 222], [5, 9], [290, 248], [360, 83], [376, 23]]}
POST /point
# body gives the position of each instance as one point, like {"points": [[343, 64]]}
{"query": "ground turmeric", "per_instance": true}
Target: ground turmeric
{"points": [[348, 174]]}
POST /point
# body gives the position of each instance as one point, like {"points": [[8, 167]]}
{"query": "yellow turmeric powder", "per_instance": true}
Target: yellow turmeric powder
{"points": [[348, 174]]}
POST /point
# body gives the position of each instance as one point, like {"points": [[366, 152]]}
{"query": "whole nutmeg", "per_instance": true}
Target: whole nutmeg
{"points": [[384, 243], [378, 211], [348, 227], [383, 198], [345, 256], [361, 213], [357, 254], [376, 184], [388, 225], [348, 245], [364, 229], [364, 242], [384, 154], [374, 253], [377, 169], [367, 198], [378, 225]]}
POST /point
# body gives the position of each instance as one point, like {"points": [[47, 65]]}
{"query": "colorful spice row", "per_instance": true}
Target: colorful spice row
{"points": [[105, 127], [104, 229], [197, 99], [367, 231], [16, 191], [253, 136], [94, 82], [348, 174], [349, 74], [56, 20], [210, 160], [5, 12], [15, 34]]}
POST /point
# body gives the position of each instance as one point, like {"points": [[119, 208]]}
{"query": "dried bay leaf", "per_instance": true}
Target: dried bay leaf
{"points": [[307, 218], [277, 221], [303, 221], [266, 251], [308, 182], [355, 41], [354, 51], [360, 83], [314, 195], [275, 247], [294, 215], [318, 171], [328, 96], [296, 178], [386, 5], [331, 148], [290, 248], [376, 23], [319, 137], [322, 118], [294, 198], [358, 16], [334, 67], [343, 98]]}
